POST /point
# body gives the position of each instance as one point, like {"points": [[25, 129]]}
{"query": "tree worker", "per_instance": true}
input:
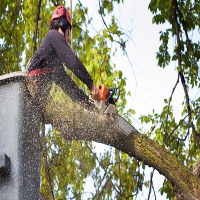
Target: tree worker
{"points": [[47, 64]]}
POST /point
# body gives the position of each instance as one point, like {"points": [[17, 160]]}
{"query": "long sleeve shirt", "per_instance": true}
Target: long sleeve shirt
{"points": [[54, 52]]}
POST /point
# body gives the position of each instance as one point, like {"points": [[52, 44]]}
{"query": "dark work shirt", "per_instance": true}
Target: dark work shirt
{"points": [[54, 52]]}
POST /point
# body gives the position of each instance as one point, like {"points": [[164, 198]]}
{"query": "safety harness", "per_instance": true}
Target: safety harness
{"points": [[40, 71]]}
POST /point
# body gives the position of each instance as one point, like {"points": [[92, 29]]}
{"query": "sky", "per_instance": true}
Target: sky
{"points": [[148, 83]]}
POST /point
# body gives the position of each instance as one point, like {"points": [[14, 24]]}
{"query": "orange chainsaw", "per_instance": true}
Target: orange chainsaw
{"points": [[106, 105], [108, 95]]}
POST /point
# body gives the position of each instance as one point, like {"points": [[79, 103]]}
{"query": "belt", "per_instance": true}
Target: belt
{"points": [[40, 71]]}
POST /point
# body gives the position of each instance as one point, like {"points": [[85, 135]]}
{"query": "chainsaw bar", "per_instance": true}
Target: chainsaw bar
{"points": [[111, 112], [124, 125]]}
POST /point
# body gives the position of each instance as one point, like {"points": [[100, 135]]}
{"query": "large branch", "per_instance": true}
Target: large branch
{"points": [[74, 122]]}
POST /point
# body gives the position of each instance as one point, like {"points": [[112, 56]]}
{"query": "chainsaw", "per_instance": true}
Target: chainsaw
{"points": [[107, 105], [107, 100], [108, 95]]}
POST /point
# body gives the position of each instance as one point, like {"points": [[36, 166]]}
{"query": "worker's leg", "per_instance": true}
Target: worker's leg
{"points": [[62, 79], [39, 87]]}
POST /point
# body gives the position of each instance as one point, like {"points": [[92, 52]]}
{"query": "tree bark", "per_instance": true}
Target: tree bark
{"points": [[74, 122]]}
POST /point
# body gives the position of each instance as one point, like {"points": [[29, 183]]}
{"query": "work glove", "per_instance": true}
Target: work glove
{"points": [[95, 92]]}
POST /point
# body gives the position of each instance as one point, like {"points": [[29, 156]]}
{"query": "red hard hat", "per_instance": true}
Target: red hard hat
{"points": [[60, 11]]}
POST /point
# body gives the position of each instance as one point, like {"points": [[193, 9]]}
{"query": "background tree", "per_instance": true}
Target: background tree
{"points": [[66, 165], [183, 24]]}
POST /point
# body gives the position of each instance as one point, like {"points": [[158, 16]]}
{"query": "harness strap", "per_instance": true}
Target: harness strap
{"points": [[41, 71]]}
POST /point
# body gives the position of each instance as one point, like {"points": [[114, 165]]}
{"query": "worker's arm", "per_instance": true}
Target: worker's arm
{"points": [[69, 58]]}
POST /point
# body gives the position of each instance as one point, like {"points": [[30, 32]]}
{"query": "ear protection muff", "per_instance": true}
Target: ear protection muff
{"points": [[63, 22]]}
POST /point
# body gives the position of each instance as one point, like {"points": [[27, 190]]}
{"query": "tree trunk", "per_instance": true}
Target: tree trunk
{"points": [[74, 122]]}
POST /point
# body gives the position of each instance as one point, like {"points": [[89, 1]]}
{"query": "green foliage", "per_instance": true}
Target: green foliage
{"points": [[66, 165], [181, 19], [71, 163], [163, 55], [11, 36], [167, 188], [117, 176], [106, 6]]}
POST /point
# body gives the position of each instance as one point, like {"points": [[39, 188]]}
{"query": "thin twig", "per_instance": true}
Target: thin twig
{"points": [[151, 185], [177, 29], [55, 4], [170, 99]]}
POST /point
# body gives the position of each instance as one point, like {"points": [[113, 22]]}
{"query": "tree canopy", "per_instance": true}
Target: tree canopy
{"points": [[118, 173]]}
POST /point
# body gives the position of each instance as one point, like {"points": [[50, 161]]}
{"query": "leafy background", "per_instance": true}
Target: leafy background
{"points": [[115, 175]]}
